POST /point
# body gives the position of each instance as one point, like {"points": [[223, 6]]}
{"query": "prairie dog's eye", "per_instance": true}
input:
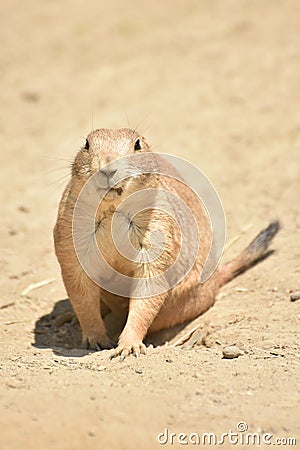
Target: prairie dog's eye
{"points": [[137, 145], [87, 145]]}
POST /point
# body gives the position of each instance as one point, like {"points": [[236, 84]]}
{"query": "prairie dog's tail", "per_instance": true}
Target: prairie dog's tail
{"points": [[250, 255]]}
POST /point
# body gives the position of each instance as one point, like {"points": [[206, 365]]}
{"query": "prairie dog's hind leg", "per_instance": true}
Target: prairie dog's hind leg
{"points": [[184, 305]]}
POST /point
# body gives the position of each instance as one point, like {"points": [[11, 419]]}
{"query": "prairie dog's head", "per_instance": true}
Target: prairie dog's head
{"points": [[103, 153]]}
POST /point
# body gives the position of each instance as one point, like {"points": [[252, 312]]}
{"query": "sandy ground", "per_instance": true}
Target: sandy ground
{"points": [[216, 82]]}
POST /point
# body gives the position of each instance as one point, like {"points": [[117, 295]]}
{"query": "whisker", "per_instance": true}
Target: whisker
{"points": [[58, 180], [69, 160], [92, 114], [137, 128], [127, 119], [57, 185], [56, 169]]}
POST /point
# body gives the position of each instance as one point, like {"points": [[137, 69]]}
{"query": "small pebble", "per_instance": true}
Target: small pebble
{"points": [[232, 352], [138, 370], [30, 96], [241, 289], [24, 209], [295, 296], [101, 368]]}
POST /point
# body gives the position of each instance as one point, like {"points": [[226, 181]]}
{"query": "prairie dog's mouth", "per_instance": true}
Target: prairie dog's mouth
{"points": [[113, 193], [118, 190]]}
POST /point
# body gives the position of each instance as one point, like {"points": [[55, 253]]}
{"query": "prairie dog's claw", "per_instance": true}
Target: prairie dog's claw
{"points": [[100, 344], [125, 350]]}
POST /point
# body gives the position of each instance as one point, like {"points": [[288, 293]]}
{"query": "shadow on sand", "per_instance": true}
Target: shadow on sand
{"points": [[60, 331]]}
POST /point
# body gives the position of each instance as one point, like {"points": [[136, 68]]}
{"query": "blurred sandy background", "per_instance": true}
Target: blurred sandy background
{"points": [[216, 82]]}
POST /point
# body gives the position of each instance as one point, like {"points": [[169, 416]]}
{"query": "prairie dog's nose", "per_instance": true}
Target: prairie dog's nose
{"points": [[105, 177], [109, 173]]}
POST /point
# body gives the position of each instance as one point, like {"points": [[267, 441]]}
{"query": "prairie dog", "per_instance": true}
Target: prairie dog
{"points": [[185, 300]]}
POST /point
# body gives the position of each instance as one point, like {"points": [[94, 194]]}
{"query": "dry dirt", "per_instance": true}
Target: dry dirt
{"points": [[216, 82]]}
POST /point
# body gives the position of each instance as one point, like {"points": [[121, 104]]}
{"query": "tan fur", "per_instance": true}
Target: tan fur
{"points": [[185, 301]]}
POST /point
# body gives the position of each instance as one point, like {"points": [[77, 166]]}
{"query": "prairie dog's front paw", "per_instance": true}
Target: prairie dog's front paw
{"points": [[127, 345], [97, 341]]}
